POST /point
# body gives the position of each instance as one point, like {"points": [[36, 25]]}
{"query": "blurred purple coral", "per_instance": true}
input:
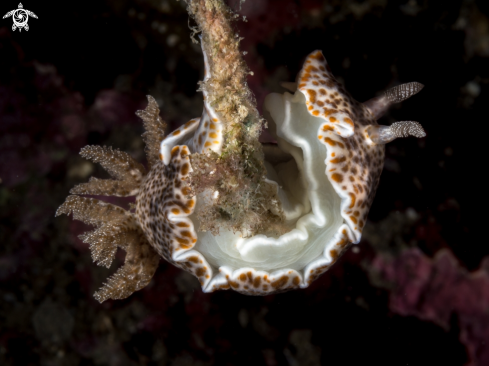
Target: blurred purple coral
{"points": [[110, 108], [437, 289]]}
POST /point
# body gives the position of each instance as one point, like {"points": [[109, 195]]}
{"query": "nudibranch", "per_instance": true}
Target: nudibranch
{"points": [[321, 175]]}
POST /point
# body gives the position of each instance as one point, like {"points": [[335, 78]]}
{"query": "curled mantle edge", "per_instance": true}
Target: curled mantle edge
{"points": [[341, 132], [353, 162], [319, 124]]}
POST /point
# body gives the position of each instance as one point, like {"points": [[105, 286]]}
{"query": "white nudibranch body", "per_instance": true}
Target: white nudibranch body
{"points": [[324, 169]]}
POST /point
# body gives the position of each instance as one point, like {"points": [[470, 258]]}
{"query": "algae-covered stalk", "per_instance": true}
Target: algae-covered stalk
{"points": [[243, 202]]}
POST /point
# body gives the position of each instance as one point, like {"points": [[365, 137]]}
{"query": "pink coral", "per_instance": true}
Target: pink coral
{"points": [[437, 289]]}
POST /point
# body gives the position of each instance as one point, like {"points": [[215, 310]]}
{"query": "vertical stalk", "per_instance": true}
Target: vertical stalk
{"points": [[244, 202]]}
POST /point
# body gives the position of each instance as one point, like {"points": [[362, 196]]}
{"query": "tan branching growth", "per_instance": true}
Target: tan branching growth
{"points": [[242, 207], [107, 187], [155, 129], [127, 172], [114, 226], [111, 221], [118, 164], [91, 211], [136, 273]]}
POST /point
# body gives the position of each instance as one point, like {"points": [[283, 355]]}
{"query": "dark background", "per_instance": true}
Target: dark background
{"points": [[415, 291]]}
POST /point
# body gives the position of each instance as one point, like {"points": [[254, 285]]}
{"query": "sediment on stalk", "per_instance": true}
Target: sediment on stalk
{"points": [[245, 200]]}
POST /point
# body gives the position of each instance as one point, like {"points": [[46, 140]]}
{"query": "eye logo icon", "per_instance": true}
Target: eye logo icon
{"points": [[20, 17]]}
